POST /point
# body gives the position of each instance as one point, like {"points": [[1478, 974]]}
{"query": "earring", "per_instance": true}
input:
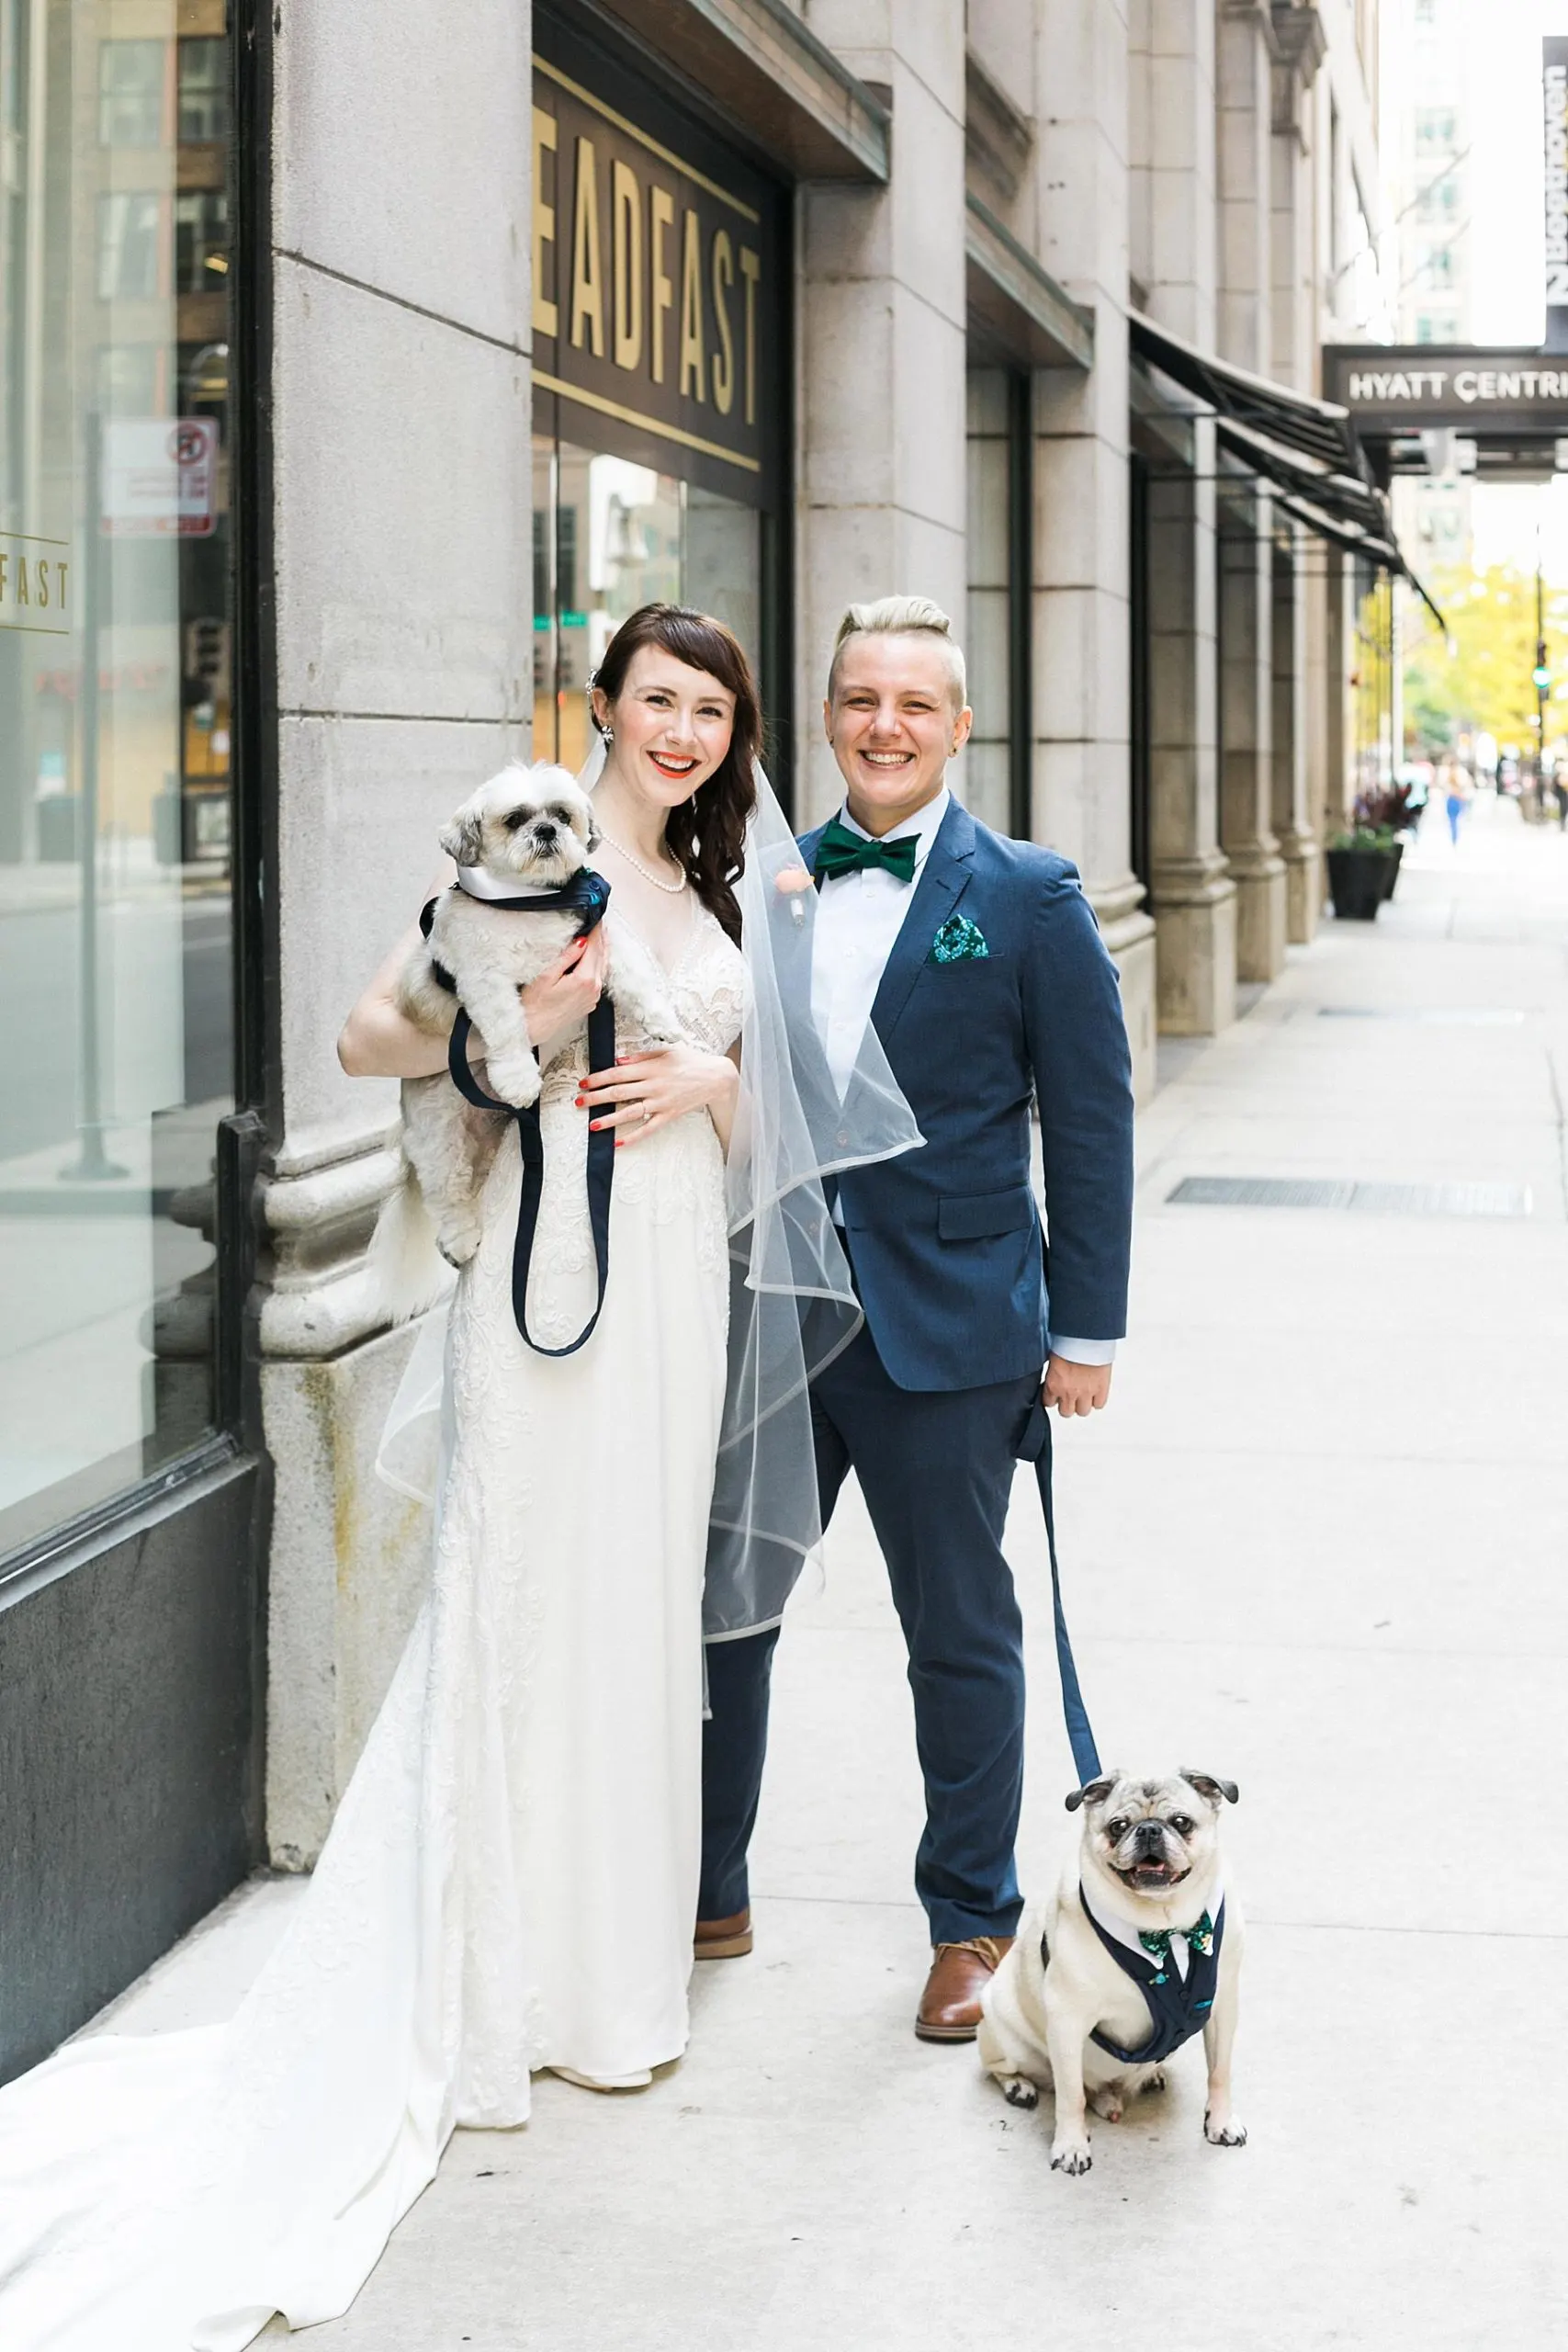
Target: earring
{"points": [[608, 733]]}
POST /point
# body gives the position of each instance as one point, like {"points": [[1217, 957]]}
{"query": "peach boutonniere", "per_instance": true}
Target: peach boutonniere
{"points": [[792, 880]]}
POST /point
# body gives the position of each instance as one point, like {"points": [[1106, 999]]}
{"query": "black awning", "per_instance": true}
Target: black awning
{"points": [[1306, 447], [1346, 497], [1315, 429]]}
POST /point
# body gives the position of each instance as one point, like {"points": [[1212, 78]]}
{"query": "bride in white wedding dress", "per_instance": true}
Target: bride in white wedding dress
{"points": [[511, 1881]]}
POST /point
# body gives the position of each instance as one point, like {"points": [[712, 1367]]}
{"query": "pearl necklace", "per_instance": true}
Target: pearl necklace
{"points": [[670, 889]]}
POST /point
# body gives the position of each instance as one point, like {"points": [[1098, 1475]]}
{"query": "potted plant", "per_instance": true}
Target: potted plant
{"points": [[1362, 866], [1387, 812]]}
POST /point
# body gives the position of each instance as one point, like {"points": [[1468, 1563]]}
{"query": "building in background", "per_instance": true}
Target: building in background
{"points": [[358, 382], [1430, 171]]}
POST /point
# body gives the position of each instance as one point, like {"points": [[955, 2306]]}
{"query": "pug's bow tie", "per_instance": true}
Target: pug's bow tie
{"points": [[842, 852], [1199, 1937]]}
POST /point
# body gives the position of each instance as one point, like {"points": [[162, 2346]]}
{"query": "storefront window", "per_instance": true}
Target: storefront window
{"points": [[610, 535], [994, 772], [116, 1057]]}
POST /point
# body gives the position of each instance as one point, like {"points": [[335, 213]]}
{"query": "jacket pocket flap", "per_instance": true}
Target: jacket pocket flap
{"points": [[974, 1214]]}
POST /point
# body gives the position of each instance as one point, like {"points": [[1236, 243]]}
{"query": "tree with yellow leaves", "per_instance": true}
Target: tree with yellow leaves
{"points": [[1479, 680]]}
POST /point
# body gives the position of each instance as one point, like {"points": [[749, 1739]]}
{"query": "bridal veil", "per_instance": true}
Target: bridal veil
{"points": [[793, 1302]]}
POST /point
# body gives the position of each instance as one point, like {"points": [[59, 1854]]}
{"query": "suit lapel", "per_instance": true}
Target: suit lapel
{"points": [[943, 879]]}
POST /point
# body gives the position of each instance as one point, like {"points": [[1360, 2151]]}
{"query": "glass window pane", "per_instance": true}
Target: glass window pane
{"points": [[722, 571], [609, 534], [131, 81], [203, 97], [116, 680]]}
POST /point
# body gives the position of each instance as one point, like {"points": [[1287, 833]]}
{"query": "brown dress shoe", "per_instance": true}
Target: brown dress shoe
{"points": [[723, 1938], [950, 2005]]}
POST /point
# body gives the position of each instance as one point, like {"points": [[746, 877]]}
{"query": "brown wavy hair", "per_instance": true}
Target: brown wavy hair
{"points": [[707, 833]]}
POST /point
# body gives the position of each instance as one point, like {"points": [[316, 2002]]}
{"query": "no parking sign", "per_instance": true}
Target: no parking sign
{"points": [[160, 477]]}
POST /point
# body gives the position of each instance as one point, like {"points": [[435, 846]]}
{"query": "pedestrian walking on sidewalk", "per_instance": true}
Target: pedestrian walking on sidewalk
{"points": [[1456, 787], [977, 962]]}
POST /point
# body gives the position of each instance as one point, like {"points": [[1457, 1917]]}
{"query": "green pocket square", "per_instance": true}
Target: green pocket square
{"points": [[957, 941]]}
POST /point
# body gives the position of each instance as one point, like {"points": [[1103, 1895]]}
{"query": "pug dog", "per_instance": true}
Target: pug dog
{"points": [[1138, 1947], [526, 833]]}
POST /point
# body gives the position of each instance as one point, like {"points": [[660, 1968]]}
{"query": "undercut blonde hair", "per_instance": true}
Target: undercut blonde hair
{"points": [[902, 616]]}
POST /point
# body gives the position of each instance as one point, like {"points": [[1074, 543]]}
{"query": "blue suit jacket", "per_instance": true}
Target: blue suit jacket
{"points": [[946, 1240]]}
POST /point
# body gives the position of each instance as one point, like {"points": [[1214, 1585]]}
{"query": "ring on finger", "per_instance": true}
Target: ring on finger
{"points": [[645, 1115]]}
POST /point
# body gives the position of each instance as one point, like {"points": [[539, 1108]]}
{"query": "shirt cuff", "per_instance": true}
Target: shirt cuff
{"points": [[1082, 1350]]}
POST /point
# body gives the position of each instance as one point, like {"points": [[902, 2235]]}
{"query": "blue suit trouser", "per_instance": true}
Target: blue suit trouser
{"points": [[936, 1470]]}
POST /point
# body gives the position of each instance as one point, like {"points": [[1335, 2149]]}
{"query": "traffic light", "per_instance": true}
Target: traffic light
{"points": [[1541, 676], [207, 661]]}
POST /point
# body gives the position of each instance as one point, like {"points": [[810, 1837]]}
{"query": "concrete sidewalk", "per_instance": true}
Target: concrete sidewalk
{"points": [[1316, 1543]]}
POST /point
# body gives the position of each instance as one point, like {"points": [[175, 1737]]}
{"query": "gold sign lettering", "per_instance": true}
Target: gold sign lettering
{"points": [[661, 215], [650, 277], [626, 208], [545, 318], [587, 276], [35, 586], [724, 357], [693, 365], [751, 271]]}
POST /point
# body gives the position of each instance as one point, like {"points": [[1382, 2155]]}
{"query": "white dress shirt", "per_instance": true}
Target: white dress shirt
{"points": [[859, 916]]}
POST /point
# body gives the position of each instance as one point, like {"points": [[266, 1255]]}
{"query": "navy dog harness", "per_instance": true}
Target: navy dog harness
{"points": [[1178, 2005], [587, 895]]}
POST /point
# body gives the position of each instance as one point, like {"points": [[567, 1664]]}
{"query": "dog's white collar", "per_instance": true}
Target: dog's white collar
{"points": [[1126, 1934], [475, 883]]}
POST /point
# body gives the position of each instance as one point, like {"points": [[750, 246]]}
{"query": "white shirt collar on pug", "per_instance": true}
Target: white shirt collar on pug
{"points": [[475, 883], [1127, 1933]]}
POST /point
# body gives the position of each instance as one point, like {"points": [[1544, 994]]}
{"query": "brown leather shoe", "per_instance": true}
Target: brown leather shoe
{"points": [[950, 2005], [723, 1938]]}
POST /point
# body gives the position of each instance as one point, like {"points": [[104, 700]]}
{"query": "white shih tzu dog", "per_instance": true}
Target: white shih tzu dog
{"points": [[1137, 1949], [526, 833]]}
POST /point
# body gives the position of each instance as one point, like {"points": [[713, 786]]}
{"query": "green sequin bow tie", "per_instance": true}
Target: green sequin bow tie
{"points": [[1199, 1937], [842, 852]]}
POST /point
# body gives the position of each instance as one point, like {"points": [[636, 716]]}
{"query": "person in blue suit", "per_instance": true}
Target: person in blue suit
{"points": [[980, 962]]}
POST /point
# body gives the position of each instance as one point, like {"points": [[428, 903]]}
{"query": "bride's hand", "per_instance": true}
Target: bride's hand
{"points": [[567, 993], [643, 1093]]}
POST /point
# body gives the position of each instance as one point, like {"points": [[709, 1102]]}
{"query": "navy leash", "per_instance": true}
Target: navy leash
{"points": [[589, 899], [1035, 1447]]}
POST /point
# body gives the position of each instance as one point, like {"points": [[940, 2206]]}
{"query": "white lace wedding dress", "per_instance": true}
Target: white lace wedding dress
{"points": [[511, 1881]]}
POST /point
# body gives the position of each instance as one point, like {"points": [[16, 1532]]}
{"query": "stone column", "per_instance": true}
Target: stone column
{"points": [[1243, 119], [1173, 258], [1081, 786], [880, 442], [1298, 43], [1291, 805], [405, 677], [1246, 689], [1193, 894]]}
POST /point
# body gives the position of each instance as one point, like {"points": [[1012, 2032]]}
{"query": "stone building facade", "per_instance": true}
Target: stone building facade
{"points": [[978, 206], [767, 306]]}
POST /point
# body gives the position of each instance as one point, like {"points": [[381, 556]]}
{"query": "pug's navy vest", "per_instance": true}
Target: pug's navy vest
{"points": [[1178, 2005]]}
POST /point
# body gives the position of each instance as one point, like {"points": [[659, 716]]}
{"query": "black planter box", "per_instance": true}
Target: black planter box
{"points": [[1358, 881]]}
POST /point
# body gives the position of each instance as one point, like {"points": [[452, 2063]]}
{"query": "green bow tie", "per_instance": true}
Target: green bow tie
{"points": [[1199, 1937], [842, 852]]}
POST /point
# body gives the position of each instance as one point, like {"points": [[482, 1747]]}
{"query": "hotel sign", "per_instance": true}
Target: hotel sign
{"points": [[1416, 387], [656, 280]]}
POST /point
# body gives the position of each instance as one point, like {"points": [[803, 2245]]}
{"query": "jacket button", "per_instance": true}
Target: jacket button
{"points": [[842, 1138]]}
